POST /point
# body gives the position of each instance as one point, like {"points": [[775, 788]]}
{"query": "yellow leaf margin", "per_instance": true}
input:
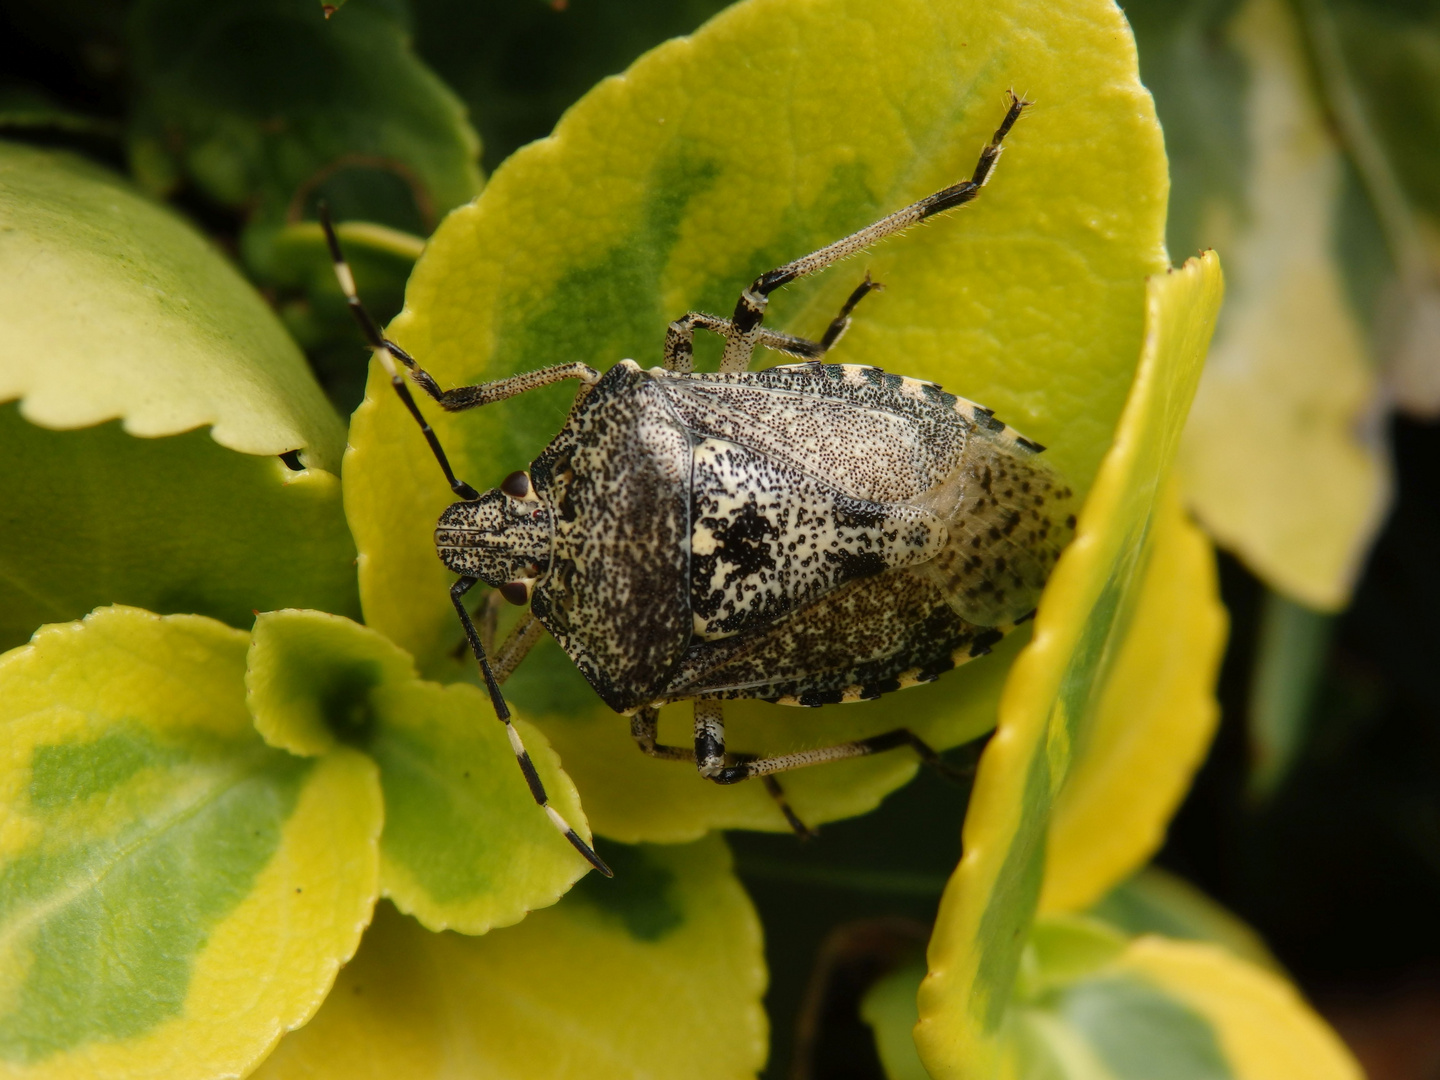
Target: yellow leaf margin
{"points": [[991, 898]]}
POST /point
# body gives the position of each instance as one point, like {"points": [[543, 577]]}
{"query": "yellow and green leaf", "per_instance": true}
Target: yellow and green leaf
{"points": [[657, 973], [174, 894], [464, 844], [774, 129], [116, 310], [1098, 1005], [1052, 713]]}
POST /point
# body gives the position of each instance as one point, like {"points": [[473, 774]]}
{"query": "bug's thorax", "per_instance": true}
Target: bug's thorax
{"points": [[498, 538]]}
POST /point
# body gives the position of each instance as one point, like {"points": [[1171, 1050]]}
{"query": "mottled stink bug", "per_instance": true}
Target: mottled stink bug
{"points": [[807, 534]]}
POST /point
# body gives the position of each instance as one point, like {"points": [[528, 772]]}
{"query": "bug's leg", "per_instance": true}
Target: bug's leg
{"points": [[464, 397], [527, 767], [680, 339], [778, 794], [750, 309], [644, 729], [876, 744], [526, 635], [711, 760]]}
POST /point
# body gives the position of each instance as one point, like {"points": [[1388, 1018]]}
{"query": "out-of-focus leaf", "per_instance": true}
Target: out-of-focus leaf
{"points": [[519, 64], [23, 108], [1151, 726], [315, 310], [1055, 693], [264, 106], [1157, 902], [113, 307], [659, 193], [174, 894], [464, 845], [889, 1009], [1377, 67], [657, 973], [1289, 663], [1282, 459]]}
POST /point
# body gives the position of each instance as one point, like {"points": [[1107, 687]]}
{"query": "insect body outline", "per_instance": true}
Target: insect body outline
{"points": [[807, 534]]}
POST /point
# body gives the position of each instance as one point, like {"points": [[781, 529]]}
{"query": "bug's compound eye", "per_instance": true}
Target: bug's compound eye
{"points": [[517, 592], [516, 485]]}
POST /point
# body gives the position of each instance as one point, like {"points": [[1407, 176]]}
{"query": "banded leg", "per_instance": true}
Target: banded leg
{"points": [[526, 635], [750, 309], [710, 751], [527, 767], [680, 338], [461, 398], [711, 760]]}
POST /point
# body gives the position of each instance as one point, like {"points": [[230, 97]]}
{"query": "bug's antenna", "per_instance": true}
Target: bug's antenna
{"points": [[387, 352], [532, 778]]}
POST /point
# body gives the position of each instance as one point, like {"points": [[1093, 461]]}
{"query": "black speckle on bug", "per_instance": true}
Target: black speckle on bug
{"points": [[1028, 444], [984, 642], [815, 698]]}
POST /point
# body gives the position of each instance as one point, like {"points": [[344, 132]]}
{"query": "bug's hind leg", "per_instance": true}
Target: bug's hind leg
{"points": [[876, 744], [750, 308], [711, 759]]}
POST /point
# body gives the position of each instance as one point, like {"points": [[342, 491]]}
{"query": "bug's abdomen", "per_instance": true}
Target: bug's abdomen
{"points": [[766, 539]]}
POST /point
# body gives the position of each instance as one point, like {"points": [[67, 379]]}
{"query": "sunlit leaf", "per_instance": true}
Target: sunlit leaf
{"points": [[464, 844], [174, 894], [778, 127], [113, 308], [1151, 725], [657, 973], [1055, 691]]}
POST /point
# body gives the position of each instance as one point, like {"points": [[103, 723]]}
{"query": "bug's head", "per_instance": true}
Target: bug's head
{"points": [[503, 538]]}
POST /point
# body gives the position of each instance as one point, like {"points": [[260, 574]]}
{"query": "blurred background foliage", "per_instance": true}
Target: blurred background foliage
{"points": [[1304, 140]]}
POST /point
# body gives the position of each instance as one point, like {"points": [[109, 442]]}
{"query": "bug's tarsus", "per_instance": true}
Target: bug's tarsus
{"points": [[743, 330], [522, 756]]}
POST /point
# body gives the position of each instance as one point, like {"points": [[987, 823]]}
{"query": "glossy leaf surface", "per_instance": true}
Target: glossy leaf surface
{"points": [[657, 973], [464, 844], [114, 308], [1048, 715], [174, 894]]}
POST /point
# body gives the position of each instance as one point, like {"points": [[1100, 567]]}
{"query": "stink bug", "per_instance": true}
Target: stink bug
{"points": [[807, 534]]}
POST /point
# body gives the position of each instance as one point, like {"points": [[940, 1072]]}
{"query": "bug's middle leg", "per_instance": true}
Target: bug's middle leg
{"points": [[680, 338], [712, 761]]}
